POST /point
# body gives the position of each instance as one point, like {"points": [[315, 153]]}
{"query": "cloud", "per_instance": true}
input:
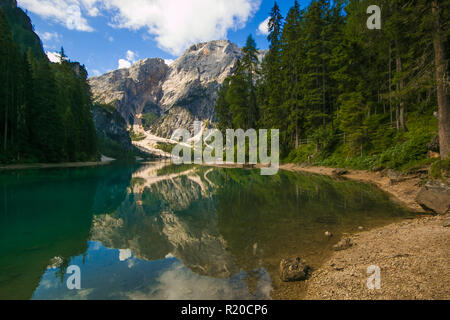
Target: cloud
{"points": [[129, 60], [178, 24], [124, 64], [131, 56], [49, 36], [96, 72], [54, 57], [174, 24], [66, 12], [169, 61], [110, 39], [263, 28]]}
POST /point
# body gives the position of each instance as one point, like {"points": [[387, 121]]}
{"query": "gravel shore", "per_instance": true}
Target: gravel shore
{"points": [[413, 256]]}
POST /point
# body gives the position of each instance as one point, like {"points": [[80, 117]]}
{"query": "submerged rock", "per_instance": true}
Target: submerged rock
{"points": [[293, 269], [343, 244], [435, 197], [328, 234]]}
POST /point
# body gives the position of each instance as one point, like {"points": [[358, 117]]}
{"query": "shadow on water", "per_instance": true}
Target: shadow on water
{"points": [[162, 231]]}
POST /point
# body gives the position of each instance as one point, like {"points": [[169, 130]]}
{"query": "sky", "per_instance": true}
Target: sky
{"points": [[105, 35]]}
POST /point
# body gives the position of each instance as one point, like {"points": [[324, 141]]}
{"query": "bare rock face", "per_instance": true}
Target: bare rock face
{"points": [[194, 78], [111, 126], [293, 269], [435, 197], [189, 86], [175, 118], [133, 91]]}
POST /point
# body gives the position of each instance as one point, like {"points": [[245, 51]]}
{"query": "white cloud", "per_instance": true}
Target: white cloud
{"points": [[174, 24], [54, 57], [169, 61], [124, 64], [179, 24], [263, 28], [129, 60], [66, 12], [49, 36], [131, 56], [96, 72], [125, 254]]}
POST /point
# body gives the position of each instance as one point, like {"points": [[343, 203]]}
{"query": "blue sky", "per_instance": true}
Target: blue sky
{"points": [[100, 33]]}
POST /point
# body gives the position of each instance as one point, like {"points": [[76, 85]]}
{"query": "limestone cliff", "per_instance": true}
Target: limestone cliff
{"points": [[174, 95]]}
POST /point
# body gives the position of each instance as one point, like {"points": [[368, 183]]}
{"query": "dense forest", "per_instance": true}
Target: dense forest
{"points": [[45, 108], [344, 95]]}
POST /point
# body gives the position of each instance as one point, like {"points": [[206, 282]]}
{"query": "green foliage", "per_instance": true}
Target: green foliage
{"points": [[440, 169], [114, 150], [360, 98], [45, 108], [148, 119], [236, 105], [166, 147], [136, 136]]}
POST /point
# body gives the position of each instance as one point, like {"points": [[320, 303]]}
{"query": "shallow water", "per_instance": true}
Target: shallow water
{"points": [[160, 231]]}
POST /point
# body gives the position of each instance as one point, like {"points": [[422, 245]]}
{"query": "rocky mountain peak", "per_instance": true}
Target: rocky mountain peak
{"points": [[151, 86]]}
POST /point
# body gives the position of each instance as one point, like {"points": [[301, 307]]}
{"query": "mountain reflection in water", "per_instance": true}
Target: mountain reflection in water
{"points": [[161, 231]]}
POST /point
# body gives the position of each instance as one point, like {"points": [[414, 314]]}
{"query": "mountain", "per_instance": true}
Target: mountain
{"points": [[163, 97]]}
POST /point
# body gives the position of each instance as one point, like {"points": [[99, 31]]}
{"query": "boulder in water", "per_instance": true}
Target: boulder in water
{"points": [[293, 269]]}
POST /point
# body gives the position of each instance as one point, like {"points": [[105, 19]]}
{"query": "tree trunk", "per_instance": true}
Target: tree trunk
{"points": [[444, 108], [401, 110], [6, 128], [390, 83]]}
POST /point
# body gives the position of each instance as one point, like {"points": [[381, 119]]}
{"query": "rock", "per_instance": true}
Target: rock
{"points": [[378, 168], [293, 269], [177, 94], [337, 266], [328, 234], [339, 172], [446, 223], [435, 197], [394, 176], [343, 244], [360, 228], [111, 126], [433, 145], [132, 91]]}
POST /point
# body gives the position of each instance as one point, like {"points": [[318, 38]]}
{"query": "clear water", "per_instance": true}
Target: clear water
{"points": [[160, 231]]}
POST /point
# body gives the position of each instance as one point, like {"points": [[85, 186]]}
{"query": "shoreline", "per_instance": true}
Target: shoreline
{"points": [[413, 255], [404, 191], [54, 165]]}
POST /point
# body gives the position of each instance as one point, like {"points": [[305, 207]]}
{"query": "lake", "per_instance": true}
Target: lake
{"points": [[162, 231]]}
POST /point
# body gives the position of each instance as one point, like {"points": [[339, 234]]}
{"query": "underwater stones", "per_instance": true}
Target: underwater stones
{"points": [[293, 269], [343, 244]]}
